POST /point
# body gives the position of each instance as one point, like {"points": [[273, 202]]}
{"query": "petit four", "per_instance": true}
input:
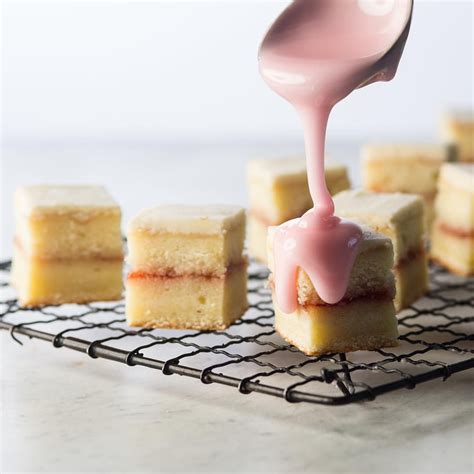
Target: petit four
{"points": [[68, 246], [188, 270], [365, 317]]}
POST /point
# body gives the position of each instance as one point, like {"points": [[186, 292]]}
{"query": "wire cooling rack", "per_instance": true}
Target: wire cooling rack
{"points": [[436, 341]]}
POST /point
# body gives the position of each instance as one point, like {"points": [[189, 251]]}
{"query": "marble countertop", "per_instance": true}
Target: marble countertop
{"points": [[63, 411]]}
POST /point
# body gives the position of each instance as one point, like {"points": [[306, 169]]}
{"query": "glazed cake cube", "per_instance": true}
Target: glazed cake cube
{"points": [[401, 218], [458, 128], [452, 239], [278, 188], [278, 191], [187, 267], [363, 320], [68, 245], [405, 168]]}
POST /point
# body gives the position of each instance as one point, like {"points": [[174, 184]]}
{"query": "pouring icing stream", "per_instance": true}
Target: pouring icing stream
{"points": [[315, 54]]}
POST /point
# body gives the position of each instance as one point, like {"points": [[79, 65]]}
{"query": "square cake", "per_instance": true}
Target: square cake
{"points": [[457, 128], [363, 320], [401, 218], [187, 267], [452, 238], [68, 246], [278, 191], [405, 168]]}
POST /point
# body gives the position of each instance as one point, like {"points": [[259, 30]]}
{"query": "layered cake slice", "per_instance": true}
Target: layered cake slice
{"points": [[278, 191], [401, 218], [405, 168], [68, 245], [452, 238], [363, 320], [458, 128], [187, 267]]}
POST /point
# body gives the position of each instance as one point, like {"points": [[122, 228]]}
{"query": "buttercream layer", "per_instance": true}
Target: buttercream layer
{"points": [[45, 282], [187, 301], [362, 324]]}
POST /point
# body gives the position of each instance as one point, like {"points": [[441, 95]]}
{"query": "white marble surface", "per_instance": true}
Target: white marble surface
{"points": [[64, 412]]}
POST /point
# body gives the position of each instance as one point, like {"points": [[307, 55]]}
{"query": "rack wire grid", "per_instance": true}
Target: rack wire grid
{"points": [[436, 341]]}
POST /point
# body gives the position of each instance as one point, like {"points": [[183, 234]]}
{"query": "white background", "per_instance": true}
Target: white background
{"points": [[162, 101], [174, 71]]}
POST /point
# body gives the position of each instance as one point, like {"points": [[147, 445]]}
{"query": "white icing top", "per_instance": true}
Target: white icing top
{"points": [[406, 151], [381, 209], [188, 219], [272, 169], [60, 199]]}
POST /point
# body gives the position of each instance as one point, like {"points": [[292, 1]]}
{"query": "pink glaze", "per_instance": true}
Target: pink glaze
{"points": [[315, 54]]}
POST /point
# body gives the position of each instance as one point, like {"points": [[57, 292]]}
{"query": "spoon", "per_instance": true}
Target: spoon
{"points": [[327, 48]]}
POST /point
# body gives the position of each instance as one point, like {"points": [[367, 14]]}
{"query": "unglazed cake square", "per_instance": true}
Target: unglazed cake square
{"points": [[68, 245], [187, 267], [278, 188], [363, 320], [458, 128], [401, 218], [406, 168], [452, 237], [278, 191]]}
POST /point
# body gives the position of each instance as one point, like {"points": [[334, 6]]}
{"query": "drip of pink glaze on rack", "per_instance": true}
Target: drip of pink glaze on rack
{"points": [[315, 54]]}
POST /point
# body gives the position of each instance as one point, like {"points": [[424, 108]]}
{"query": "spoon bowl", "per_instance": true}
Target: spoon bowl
{"points": [[316, 45]]}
